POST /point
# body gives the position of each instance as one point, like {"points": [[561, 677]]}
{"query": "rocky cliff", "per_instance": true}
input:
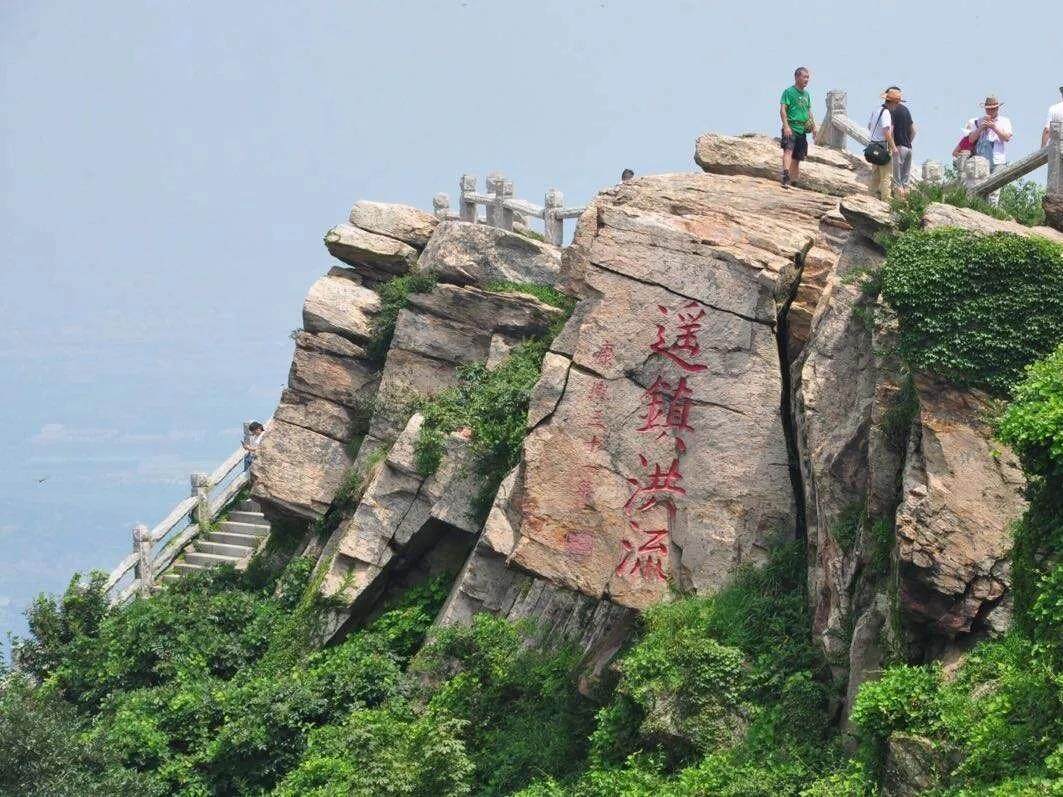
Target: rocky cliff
{"points": [[722, 386]]}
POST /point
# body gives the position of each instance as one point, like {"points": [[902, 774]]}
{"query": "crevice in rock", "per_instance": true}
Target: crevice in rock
{"points": [[786, 409]]}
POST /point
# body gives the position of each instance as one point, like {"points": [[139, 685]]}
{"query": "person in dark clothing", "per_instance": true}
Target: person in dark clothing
{"points": [[903, 136]]}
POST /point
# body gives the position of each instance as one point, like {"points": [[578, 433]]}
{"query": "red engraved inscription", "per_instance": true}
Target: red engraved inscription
{"points": [[684, 346]]}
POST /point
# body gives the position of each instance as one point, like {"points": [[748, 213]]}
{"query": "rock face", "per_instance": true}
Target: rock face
{"points": [[1053, 206], [961, 492], [401, 222], [868, 215], [662, 452], [464, 254], [826, 170]]}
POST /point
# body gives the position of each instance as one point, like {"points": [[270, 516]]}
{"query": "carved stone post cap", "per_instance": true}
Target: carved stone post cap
{"points": [[200, 480], [140, 532], [440, 200], [554, 198], [468, 182], [976, 167], [1055, 129], [505, 186], [492, 180]]}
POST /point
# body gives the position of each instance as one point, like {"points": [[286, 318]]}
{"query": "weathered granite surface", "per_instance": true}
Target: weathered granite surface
{"points": [[940, 215], [407, 224], [477, 254]]}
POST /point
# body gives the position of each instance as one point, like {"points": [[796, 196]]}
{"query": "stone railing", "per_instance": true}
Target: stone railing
{"points": [[973, 170], [837, 126], [501, 207], [977, 179], [155, 549]]}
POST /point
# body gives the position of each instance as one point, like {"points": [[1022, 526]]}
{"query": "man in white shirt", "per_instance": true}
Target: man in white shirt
{"points": [[880, 128], [990, 135], [1055, 113]]}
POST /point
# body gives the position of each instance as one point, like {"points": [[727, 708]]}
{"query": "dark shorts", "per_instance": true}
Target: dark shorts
{"points": [[797, 144]]}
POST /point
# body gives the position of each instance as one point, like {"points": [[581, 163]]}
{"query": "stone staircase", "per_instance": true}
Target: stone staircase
{"points": [[236, 539]]}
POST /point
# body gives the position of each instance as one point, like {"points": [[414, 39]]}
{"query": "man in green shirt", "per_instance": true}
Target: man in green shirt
{"points": [[795, 111]]}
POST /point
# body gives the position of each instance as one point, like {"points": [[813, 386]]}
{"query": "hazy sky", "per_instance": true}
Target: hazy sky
{"points": [[168, 169]]}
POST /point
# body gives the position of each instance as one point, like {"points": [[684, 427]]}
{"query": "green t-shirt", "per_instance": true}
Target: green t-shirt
{"points": [[798, 103]]}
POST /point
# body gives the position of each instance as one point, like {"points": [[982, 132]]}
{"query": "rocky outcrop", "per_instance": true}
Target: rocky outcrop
{"points": [[868, 215], [478, 254], [961, 492], [915, 765], [410, 225], [940, 215], [1053, 206], [827, 171]]}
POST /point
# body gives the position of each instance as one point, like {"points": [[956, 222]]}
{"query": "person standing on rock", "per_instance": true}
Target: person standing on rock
{"points": [[903, 136], [990, 135], [1055, 114], [252, 439], [880, 128], [795, 110]]}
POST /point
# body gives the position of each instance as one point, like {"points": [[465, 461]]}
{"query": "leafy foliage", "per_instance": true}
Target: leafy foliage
{"points": [[394, 297], [1032, 424], [847, 527], [1023, 201], [975, 309], [908, 210]]}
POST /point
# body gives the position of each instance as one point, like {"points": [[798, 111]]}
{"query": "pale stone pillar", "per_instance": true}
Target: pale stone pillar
{"points": [[441, 206], [142, 570], [829, 134], [201, 492], [466, 207], [492, 187], [933, 172], [1054, 185], [503, 215], [553, 226], [975, 170]]}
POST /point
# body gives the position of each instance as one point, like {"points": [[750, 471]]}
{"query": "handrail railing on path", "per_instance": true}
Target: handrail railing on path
{"points": [[155, 549], [500, 206], [837, 126], [974, 170]]}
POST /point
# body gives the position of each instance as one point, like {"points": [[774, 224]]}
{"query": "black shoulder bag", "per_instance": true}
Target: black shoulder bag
{"points": [[876, 152]]}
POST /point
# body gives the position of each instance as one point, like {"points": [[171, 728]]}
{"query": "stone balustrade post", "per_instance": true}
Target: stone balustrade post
{"points": [[201, 492], [553, 226], [1054, 185], [829, 134], [493, 211], [142, 570], [441, 206], [975, 170], [503, 215], [466, 207], [933, 172]]}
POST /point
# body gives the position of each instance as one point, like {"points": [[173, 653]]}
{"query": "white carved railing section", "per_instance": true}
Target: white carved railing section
{"points": [[155, 549], [973, 170], [500, 206]]}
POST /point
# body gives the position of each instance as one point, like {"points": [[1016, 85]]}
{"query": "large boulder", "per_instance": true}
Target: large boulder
{"points": [[375, 257], [477, 254], [961, 493], [867, 215], [405, 223], [938, 215], [827, 171], [1053, 205], [659, 452], [336, 304], [297, 470]]}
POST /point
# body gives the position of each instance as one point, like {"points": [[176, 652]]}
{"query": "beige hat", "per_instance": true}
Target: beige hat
{"points": [[892, 95], [991, 102]]}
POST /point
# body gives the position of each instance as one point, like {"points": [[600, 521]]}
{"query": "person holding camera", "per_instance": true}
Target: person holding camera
{"points": [[990, 135]]}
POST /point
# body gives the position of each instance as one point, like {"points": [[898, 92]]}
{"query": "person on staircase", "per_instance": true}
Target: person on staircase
{"points": [[903, 136], [990, 135], [252, 439], [795, 111], [880, 128]]}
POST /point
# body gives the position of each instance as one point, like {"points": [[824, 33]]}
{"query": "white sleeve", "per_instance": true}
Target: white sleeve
{"points": [[1005, 124], [887, 120]]}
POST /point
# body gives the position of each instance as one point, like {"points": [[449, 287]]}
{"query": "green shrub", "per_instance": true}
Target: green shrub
{"points": [[975, 309], [1032, 423], [1023, 201], [908, 210], [846, 528], [904, 698], [493, 405], [394, 297]]}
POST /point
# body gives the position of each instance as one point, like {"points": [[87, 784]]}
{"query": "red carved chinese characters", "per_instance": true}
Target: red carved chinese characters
{"points": [[651, 508]]}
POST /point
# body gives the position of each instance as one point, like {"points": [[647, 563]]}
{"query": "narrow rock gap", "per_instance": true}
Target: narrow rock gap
{"points": [[786, 410]]}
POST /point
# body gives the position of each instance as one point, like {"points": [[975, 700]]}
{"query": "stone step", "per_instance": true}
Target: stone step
{"points": [[231, 538], [249, 506], [222, 549], [256, 529], [207, 559], [248, 517], [187, 567], [170, 577]]}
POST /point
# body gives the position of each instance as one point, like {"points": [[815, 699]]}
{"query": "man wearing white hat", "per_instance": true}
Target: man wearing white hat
{"points": [[990, 135]]}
